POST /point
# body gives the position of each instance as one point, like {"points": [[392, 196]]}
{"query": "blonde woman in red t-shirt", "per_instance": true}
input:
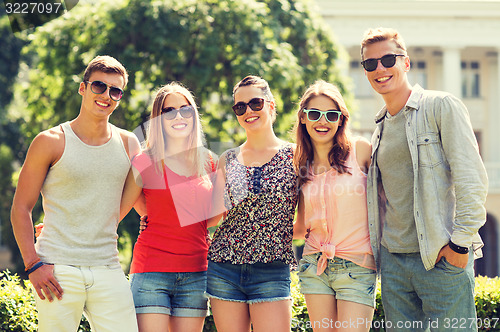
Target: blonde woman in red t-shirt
{"points": [[172, 177], [337, 272]]}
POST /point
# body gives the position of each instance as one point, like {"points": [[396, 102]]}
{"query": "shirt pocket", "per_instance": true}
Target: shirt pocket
{"points": [[430, 151]]}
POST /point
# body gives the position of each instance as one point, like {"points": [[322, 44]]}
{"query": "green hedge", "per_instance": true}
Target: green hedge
{"points": [[17, 305], [18, 314]]}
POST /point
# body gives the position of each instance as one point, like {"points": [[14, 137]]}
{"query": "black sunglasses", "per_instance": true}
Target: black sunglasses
{"points": [[170, 113], [331, 115], [388, 61], [255, 104], [99, 87]]}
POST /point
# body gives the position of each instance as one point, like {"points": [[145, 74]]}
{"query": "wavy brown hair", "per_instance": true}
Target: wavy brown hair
{"points": [[304, 154]]}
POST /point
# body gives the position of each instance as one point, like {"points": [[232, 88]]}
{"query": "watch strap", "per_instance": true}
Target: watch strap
{"points": [[458, 249]]}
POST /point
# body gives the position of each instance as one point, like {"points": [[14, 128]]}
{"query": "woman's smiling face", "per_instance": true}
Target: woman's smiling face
{"points": [[178, 127], [321, 131], [253, 120]]}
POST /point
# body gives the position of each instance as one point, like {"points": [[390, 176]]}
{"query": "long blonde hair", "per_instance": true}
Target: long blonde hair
{"points": [[154, 145]]}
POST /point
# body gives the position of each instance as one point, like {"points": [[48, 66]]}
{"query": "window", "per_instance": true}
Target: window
{"points": [[470, 79], [418, 74], [362, 87]]}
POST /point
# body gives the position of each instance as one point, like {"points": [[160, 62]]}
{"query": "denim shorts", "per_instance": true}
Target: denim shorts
{"points": [[180, 294], [248, 283], [343, 279]]}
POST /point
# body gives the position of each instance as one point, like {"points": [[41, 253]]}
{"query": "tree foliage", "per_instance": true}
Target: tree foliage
{"points": [[10, 142], [208, 45], [9, 61]]}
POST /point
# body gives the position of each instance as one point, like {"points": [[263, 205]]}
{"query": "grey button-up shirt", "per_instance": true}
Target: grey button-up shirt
{"points": [[450, 181]]}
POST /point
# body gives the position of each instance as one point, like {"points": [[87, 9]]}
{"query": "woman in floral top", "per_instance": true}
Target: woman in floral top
{"points": [[251, 253]]}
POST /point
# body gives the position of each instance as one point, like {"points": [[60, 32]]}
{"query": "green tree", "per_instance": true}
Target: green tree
{"points": [[10, 143], [208, 45], [9, 61]]}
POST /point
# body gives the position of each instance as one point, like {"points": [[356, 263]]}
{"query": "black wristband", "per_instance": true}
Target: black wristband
{"points": [[35, 267], [458, 249]]}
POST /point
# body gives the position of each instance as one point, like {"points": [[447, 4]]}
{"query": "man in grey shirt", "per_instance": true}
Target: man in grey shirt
{"points": [[426, 192]]}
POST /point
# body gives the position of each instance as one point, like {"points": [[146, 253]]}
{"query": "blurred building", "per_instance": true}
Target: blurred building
{"points": [[454, 46]]}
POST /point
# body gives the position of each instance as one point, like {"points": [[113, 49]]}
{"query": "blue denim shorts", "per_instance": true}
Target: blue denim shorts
{"points": [[343, 279], [180, 294], [248, 283]]}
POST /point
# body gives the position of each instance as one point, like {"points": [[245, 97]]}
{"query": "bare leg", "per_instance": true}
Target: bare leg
{"points": [[153, 322], [322, 310], [273, 316], [354, 317], [186, 324], [230, 316]]}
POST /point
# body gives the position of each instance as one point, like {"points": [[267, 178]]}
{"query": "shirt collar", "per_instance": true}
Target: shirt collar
{"points": [[415, 96], [412, 102]]}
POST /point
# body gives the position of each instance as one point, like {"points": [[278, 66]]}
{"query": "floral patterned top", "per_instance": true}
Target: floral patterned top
{"points": [[261, 205]]}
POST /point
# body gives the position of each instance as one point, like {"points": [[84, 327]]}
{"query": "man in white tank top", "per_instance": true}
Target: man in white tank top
{"points": [[80, 168]]}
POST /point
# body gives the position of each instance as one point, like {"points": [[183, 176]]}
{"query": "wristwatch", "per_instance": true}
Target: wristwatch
{"points": [[458, 249]]}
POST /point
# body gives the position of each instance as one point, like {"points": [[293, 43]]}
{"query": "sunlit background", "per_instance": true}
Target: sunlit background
{"points": [[209, 45]]}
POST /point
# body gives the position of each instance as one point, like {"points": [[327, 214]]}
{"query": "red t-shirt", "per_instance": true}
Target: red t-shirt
{"points": [[175, 239]]}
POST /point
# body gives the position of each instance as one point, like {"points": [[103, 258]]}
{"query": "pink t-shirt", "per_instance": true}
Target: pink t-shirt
{"points": [[336, 216], [177, 207]]}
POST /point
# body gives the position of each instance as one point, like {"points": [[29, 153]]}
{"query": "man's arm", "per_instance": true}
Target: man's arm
{"points": [[468, 175], [44, 151], [140, 205], [131, 143], [133, 185], [130, 195]]}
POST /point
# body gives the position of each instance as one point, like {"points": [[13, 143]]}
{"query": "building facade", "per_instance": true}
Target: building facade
{"points": [[454, 46]]}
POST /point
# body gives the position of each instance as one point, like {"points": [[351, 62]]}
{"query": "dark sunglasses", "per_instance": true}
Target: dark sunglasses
{"points": [[255, 104], [388, 61], [331, 115], [99, 87], [170, 113]]}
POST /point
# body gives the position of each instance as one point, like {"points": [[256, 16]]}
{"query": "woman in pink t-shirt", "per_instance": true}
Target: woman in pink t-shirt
{"points": [[172, 175], [337, 272]]}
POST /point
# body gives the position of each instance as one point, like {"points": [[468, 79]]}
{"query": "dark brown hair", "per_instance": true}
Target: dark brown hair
{"points": [[105, 64], [304, 154], [259, 83]]}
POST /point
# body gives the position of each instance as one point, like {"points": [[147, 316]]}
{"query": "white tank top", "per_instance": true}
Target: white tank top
{"points": [[81, 201]]}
